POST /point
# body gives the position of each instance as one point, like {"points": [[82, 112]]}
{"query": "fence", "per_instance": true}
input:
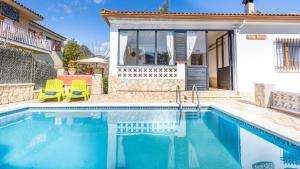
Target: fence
{"points": [[286, 101], [19, 66]]}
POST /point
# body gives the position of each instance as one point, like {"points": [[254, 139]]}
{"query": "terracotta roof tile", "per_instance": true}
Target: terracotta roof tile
{"points": [[197, 15], [107, 11]]}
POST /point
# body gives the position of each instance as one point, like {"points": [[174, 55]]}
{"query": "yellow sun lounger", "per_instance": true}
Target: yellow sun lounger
{"points": [[78, 89], [54, 90]]}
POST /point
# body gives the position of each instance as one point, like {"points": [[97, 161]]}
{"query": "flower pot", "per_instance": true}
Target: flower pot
{"points": [[72, 71], [89, 71]]}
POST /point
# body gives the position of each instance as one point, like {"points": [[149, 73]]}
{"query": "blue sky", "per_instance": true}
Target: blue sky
{"points": [[80, 19]]}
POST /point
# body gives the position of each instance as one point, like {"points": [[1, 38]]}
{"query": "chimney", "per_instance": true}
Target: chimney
{"points": [[249, 6]]}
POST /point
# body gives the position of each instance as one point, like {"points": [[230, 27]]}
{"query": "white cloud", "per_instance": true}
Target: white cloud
{"points": [[67, 9], [98, 1]]}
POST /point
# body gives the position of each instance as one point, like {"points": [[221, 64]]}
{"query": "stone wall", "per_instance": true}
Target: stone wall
{"points": [[12, 93], [143, 90], [97, 88], [263, 94]]}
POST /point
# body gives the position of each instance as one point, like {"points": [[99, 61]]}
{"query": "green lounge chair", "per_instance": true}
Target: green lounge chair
{"points": [[78, 90], [54, 89]]}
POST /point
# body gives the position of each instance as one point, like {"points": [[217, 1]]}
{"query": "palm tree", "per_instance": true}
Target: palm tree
{"points": [[165, 7]]}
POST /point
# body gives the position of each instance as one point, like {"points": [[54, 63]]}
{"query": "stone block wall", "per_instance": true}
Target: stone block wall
{"points": [[12, 93], [143, 90], [97, 88], [263, 94]]}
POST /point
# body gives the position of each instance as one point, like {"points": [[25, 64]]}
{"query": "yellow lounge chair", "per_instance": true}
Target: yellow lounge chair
{"points": [[78, 89], [54, 89]]}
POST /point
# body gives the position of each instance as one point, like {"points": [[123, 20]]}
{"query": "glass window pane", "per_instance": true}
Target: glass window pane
{"points": [[165, 48], [198, 48], [146, 54], [226, 51], [220, 53], [128, 48]]}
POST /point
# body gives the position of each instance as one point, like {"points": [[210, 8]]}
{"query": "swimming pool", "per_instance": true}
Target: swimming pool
{"points": [[137, 138]]}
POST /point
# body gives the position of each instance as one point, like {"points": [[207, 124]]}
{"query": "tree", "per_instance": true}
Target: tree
{"points": [[71, 52], [165, 7], [85, 52]]}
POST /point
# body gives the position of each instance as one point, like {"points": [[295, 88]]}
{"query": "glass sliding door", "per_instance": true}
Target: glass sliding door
{"points": [[147, 54], [197, 70]]}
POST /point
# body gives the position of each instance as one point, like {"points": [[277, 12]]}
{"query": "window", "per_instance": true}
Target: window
{"points": [[165, 48], [128, 50], [287, 55], [147, 51], [137, 48]]}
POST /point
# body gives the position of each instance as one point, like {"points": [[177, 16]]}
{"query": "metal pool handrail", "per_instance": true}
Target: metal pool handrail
{"points": [[195, 90], [178, 97]]}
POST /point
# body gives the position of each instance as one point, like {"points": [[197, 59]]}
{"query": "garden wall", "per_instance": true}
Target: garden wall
{"points": [[12, 93]]}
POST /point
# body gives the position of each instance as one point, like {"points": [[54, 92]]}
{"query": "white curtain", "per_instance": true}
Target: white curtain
{"points": [[123, 46], [191, 41], [170, 46]]}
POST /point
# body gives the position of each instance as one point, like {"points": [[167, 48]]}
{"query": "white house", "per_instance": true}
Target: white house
{"points": [[154, 52]]}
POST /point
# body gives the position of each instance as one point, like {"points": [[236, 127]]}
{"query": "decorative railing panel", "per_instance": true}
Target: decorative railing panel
{"points": [[147, 72], [286, 101], [20, 35]]}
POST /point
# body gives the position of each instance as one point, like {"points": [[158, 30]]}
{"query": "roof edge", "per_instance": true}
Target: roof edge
{"points": [[105, 13], [48, 30], [28, 9]]}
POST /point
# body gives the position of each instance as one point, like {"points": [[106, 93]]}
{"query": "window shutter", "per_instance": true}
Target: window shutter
{"points": [[180, 46]]}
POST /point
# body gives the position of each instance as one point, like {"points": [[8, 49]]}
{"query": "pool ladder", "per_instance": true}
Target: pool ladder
{"points": [[178, 97], [195, 90]]}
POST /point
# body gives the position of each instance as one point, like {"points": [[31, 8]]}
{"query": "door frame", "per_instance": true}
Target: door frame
{"points": [[231, 63]]}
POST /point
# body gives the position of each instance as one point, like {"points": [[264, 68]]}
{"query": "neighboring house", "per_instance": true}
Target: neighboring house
{"points": [[19, 28], [155, 52]]}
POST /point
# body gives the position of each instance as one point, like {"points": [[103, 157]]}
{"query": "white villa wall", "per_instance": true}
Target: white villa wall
{"points": [[256, 58], [114, 44]]}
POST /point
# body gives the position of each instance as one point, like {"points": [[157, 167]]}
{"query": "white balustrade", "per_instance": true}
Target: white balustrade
{"points": [[286, 101], [20, 35]]}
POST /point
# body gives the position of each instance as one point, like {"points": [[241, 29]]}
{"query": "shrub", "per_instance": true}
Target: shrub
{"points": [[105, 85]]}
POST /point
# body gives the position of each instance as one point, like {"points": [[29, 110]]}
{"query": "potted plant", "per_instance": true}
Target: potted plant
{"points": [[71, 67]]}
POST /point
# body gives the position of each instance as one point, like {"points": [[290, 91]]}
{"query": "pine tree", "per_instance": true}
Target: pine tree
{"points": [[165, 7]]}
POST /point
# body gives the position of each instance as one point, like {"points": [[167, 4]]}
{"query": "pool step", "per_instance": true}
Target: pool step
{"points": [[192, 115]]}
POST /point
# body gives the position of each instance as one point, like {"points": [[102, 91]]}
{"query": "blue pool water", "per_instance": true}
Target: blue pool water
{"points": [[138, 139]]}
